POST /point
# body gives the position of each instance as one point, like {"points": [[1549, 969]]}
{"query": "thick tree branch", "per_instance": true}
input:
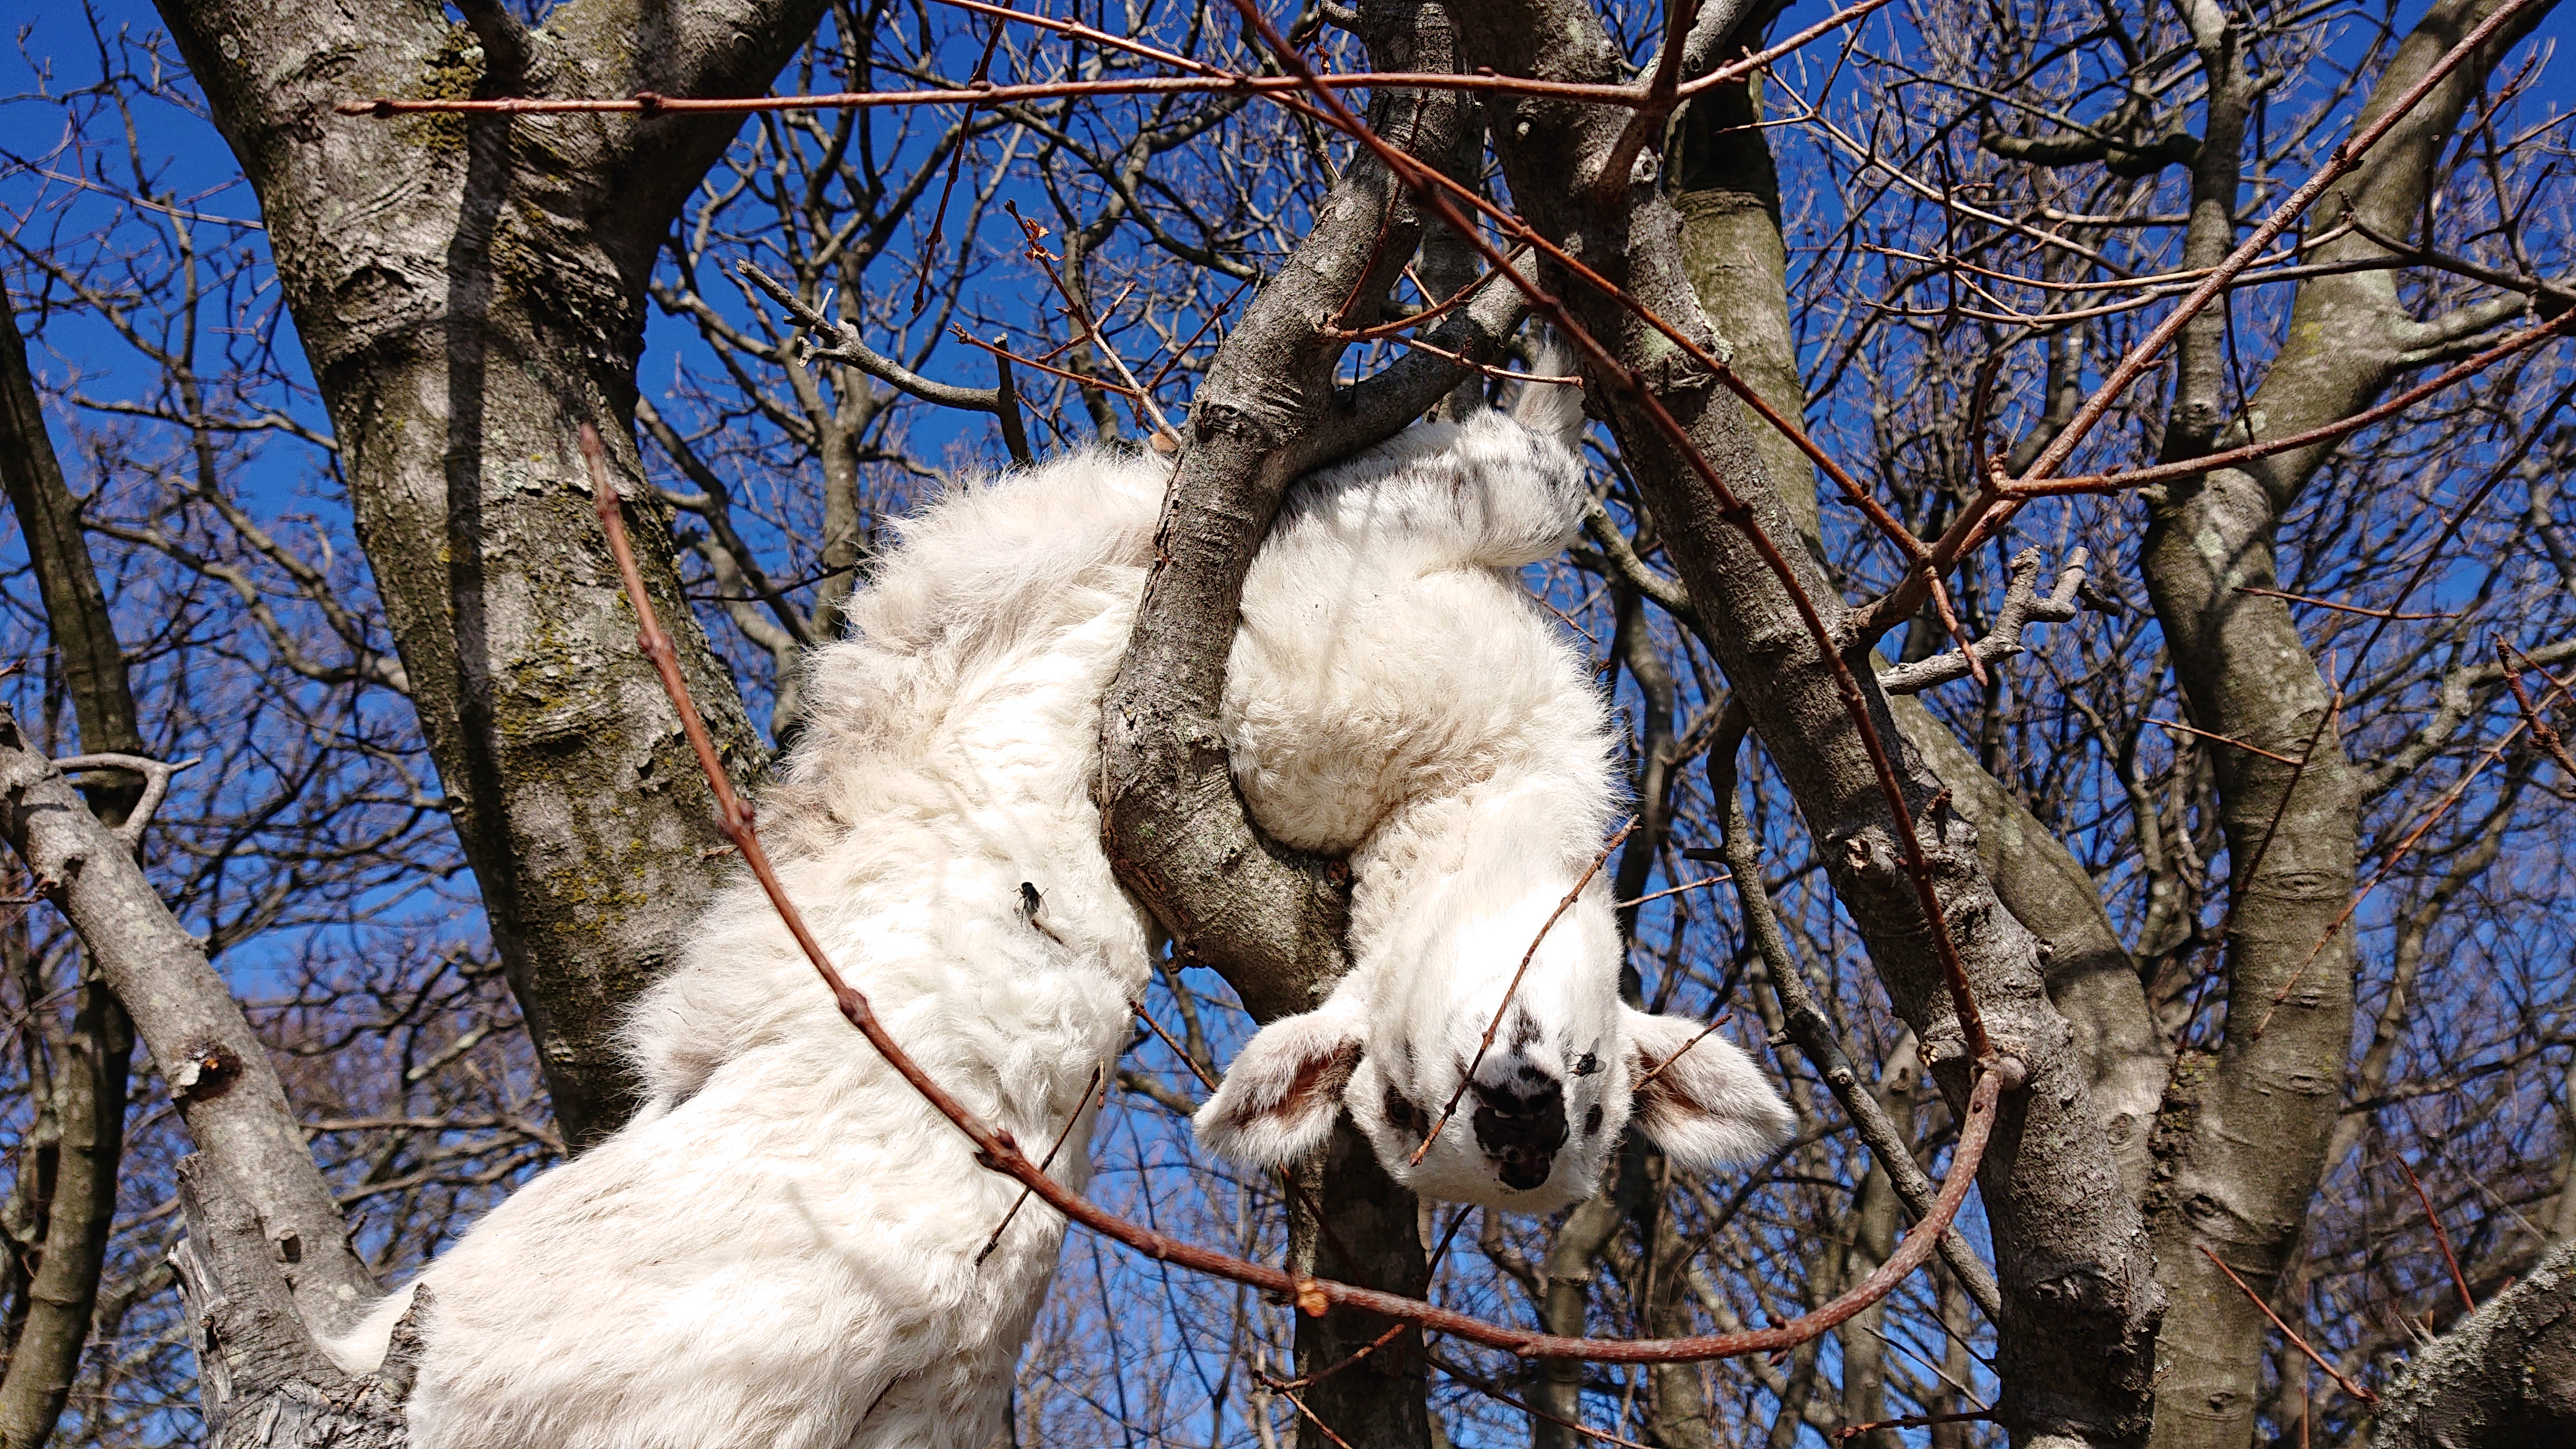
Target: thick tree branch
{"points": [[2086, 1375], [90, 1076], [1266, 919], [217, 1068], [2503, 1379]]}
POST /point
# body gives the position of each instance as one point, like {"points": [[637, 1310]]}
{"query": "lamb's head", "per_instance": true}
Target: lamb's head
{"points": [[1532, 1115]]}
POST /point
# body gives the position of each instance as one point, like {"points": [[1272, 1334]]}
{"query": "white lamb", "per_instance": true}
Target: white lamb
{"points": [[781, 1249], [1394, 694]]}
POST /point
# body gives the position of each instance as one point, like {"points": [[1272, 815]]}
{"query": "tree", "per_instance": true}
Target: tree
{"points": [[1971, 274]]}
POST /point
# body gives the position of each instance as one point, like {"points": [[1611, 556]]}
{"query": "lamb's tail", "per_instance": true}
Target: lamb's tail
{"points": [[1552, 409]]}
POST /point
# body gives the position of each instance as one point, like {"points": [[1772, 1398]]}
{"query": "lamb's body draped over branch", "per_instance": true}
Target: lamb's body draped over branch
{"points": [[935, 824]]}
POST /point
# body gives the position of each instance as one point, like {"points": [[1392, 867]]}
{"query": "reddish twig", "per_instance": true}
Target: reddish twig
{"points": [[1208, 80], [2543, 733], [1045, 1164], [1704, 1034], [1999, 499], [2331, 604], [2227, 740], [1486, 1043], [2441, 1235], [2345, 159], [1436, 191], [1191, 1062], [1656, 98], [997, 1152], [1007, 355], [1078, 309], [2122, 481], [2349, 1387], [1447, 304]]}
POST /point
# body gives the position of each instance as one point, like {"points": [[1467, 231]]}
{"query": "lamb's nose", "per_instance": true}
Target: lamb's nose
{"points": [[1520, 1126]]}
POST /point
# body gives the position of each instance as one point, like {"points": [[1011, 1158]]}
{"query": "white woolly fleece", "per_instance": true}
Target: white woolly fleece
{"points": [[779, 1251]]}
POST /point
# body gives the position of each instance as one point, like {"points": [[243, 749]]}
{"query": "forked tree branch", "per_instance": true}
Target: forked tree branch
{"points": [[2024, 605], [218, 1069]]}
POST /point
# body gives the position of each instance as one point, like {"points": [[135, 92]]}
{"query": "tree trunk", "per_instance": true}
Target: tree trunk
{"points": [[90, 1073], [2080, 1301], [2242, 1142], [1728, 192], [484, 301], [1383, 1398]]}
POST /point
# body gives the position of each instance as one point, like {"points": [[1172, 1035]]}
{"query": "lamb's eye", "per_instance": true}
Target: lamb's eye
{"points": [[1399, 1112], [1586, 1065]]}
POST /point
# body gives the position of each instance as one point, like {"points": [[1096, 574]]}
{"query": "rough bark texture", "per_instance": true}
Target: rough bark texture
{"points": [[2080, 1300], [470, 291], [2242, 1143], [1268, 919], [2091, 976], [88, 1120], [264, 1384], [2505, 1378], [1728, 192], [228, 1094], [1371, 1235], [76, 618], [91, 1057]]}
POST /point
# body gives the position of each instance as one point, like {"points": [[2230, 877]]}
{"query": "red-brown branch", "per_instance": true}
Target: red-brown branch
{"points": [[997, 1152], [2357, 1391], [1486, 1044]]}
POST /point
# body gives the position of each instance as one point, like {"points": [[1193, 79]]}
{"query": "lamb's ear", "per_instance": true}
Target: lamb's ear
{"points": [[1279, 1100], [1699, 1096]]}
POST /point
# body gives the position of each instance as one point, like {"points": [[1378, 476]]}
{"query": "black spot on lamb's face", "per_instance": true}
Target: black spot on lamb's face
{"points": [[1401, 1114], [1520, 1126]]}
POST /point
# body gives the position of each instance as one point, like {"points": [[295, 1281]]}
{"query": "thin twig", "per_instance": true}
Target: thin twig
{"points": [[1079, 1107], [997, 1152], [1918, 1421], [2459, 1280], [2349, 1387], [1505, 1005], [1658, 1069]]}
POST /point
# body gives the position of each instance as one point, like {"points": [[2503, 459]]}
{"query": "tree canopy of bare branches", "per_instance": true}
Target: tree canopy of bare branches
{"points": [[2078, 551]]}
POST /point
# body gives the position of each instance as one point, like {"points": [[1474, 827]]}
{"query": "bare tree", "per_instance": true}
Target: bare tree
{"points": [[2259, 884]]}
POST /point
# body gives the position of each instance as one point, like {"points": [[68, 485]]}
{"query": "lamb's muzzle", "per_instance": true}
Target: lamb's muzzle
{"points": [[1520, 1125]]}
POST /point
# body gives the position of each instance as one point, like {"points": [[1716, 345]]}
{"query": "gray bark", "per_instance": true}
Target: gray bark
{"points": [[2242, 1145], [2080, 1302], [2091, 976], [2504, 1378], [91, 1056], [1268, 919], [1728, 191], [228, 1094], [263, 1382], [470, 291]]}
